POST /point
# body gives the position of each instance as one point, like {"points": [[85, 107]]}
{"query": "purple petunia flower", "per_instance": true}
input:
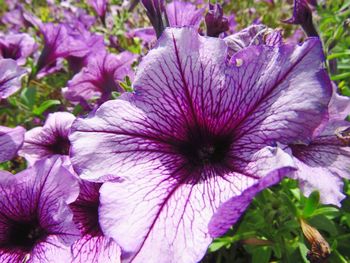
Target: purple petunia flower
{"points": [[17, 47], [93, 246], [58, 43], [198, 132], [49, 140], [100, 77], [100, 7], [35, 221], [184, 14], [302, 15], [215, 21], [10, 77], [157, 15], [11, 139], [323, 162]]}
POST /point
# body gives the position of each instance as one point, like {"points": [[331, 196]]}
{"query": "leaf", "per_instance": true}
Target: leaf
{"points": [[261, 255], [311, 204], [44, 106], [28, 97]]}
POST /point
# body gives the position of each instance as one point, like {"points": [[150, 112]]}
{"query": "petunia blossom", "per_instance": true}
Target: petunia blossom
{"points": [[17, 47], [93, 246], [49, 140], [324, 161], [100, 7], [184, 14], [100, 78], [215, 21], [11, 139], [302, 15], [58, 43], [10, 77], [197, 132], [35, 221]]}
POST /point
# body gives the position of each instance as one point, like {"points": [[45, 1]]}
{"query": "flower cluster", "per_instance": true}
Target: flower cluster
{"points": [[152, 165]]}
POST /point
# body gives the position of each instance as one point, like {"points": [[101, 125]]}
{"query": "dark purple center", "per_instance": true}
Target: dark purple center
{"points": [[11, 51], [205, 149], [25, 234], [85, 210], [60, 146]]}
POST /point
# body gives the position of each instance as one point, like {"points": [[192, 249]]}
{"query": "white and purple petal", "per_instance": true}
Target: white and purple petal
{"points": [[10, 77], [11, 140]]}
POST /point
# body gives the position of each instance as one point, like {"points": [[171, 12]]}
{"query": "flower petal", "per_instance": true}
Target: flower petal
{"points": [[11, 139], [10, 77]]}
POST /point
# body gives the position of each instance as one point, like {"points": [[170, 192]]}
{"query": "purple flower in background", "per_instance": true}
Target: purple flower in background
{"points": [[17, 47], [11, 139], [302, 15], [323, 162], [10, 77], [35, 221], [196, 133], [49, 140], [157, 15], [93, 246], [215, 21], [95, 47], [184, 14], [58, 43], [100, 7], [100, 78]]}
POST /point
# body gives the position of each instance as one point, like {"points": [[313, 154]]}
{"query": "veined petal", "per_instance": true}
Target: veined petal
{"points": [[151, 210], [11, 139], [10, 77]]}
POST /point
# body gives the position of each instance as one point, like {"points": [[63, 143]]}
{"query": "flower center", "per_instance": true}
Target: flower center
{"points": [[26, 234], [205, 150], [85, 210], [60, 146]]}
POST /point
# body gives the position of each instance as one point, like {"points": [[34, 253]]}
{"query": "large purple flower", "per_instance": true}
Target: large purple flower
{"points": [[17, 47], [51, 139], [324, 161], [35, 221], [93, 246], [10, 77], [100, 78], [197, 132], [11, 139]]}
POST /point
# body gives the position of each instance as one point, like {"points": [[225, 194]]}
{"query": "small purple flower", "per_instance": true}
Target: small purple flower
{"points": [[157, 15], [196, 133], [184, 14], [324, 161], [93, 246], [49, 140], [215, 21], [302, 15], [10, 77], [11, 139], [100, 78], [17, 47], [58, 43], [100, 7], [95, 47], [35, 221]]}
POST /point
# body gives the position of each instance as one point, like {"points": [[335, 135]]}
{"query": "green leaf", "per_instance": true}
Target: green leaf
{"points": [[28, 97], [311, 204], [44, 106], [261, 255]]}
